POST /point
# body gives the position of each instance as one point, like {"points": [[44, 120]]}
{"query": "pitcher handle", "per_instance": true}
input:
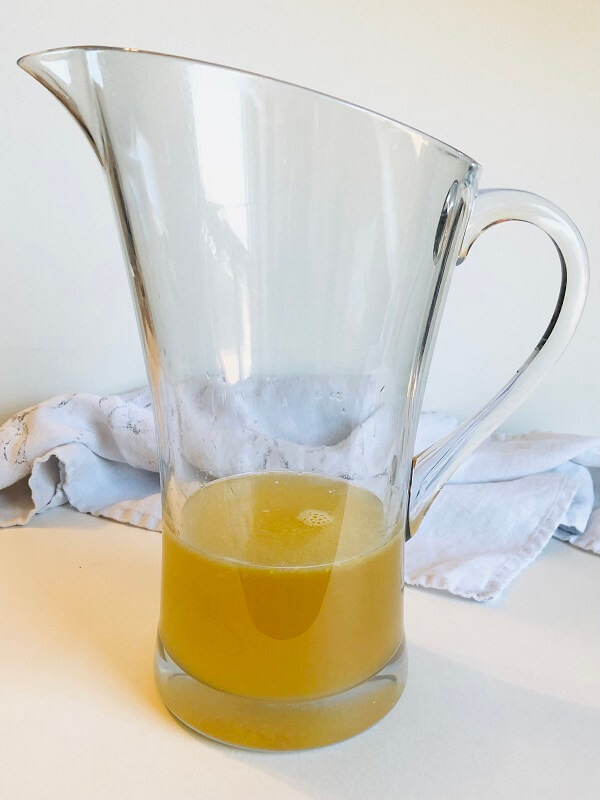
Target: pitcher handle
{"points": [[432, 468]]}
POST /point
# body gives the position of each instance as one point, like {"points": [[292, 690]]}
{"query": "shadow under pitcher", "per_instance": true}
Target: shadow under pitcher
{"points": [[289, 256]]}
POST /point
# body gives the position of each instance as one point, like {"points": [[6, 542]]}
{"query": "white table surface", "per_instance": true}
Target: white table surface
{"points": [[503, 699]]}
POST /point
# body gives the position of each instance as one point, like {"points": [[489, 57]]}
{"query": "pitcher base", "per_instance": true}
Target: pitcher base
{"points": [[265, 724]]}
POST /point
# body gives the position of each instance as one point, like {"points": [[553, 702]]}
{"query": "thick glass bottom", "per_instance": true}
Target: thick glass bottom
{"points": [[264, 724]]}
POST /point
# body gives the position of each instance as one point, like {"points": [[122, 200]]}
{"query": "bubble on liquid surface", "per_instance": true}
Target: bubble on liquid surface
{"points": [[314, 517]]}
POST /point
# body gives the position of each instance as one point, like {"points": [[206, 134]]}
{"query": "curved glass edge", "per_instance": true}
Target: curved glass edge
{"points": [[449, 149]]}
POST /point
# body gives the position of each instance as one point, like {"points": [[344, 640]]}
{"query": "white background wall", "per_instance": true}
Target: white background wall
{"points": [[514, 83]]}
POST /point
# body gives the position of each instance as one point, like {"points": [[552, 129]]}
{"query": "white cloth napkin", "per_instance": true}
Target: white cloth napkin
{"points": [[491, 521]]}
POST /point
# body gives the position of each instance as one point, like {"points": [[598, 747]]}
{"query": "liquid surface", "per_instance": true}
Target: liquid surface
{"points": [[281, 585]]}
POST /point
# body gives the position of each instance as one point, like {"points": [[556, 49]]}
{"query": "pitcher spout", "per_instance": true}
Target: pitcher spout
{"points": [[66, 73]]}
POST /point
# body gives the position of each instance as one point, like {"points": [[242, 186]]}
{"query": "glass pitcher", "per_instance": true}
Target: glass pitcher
{"points": [[289, 255]]}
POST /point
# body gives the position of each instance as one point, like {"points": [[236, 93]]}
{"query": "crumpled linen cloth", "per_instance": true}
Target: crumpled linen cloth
{"points": [[495, 516]]}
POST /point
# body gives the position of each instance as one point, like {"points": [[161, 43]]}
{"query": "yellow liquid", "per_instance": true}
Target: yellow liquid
{"points": [[281, 585]]}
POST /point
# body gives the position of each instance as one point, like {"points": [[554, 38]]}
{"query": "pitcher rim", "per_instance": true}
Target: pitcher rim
{"points": [[450, 149]]}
